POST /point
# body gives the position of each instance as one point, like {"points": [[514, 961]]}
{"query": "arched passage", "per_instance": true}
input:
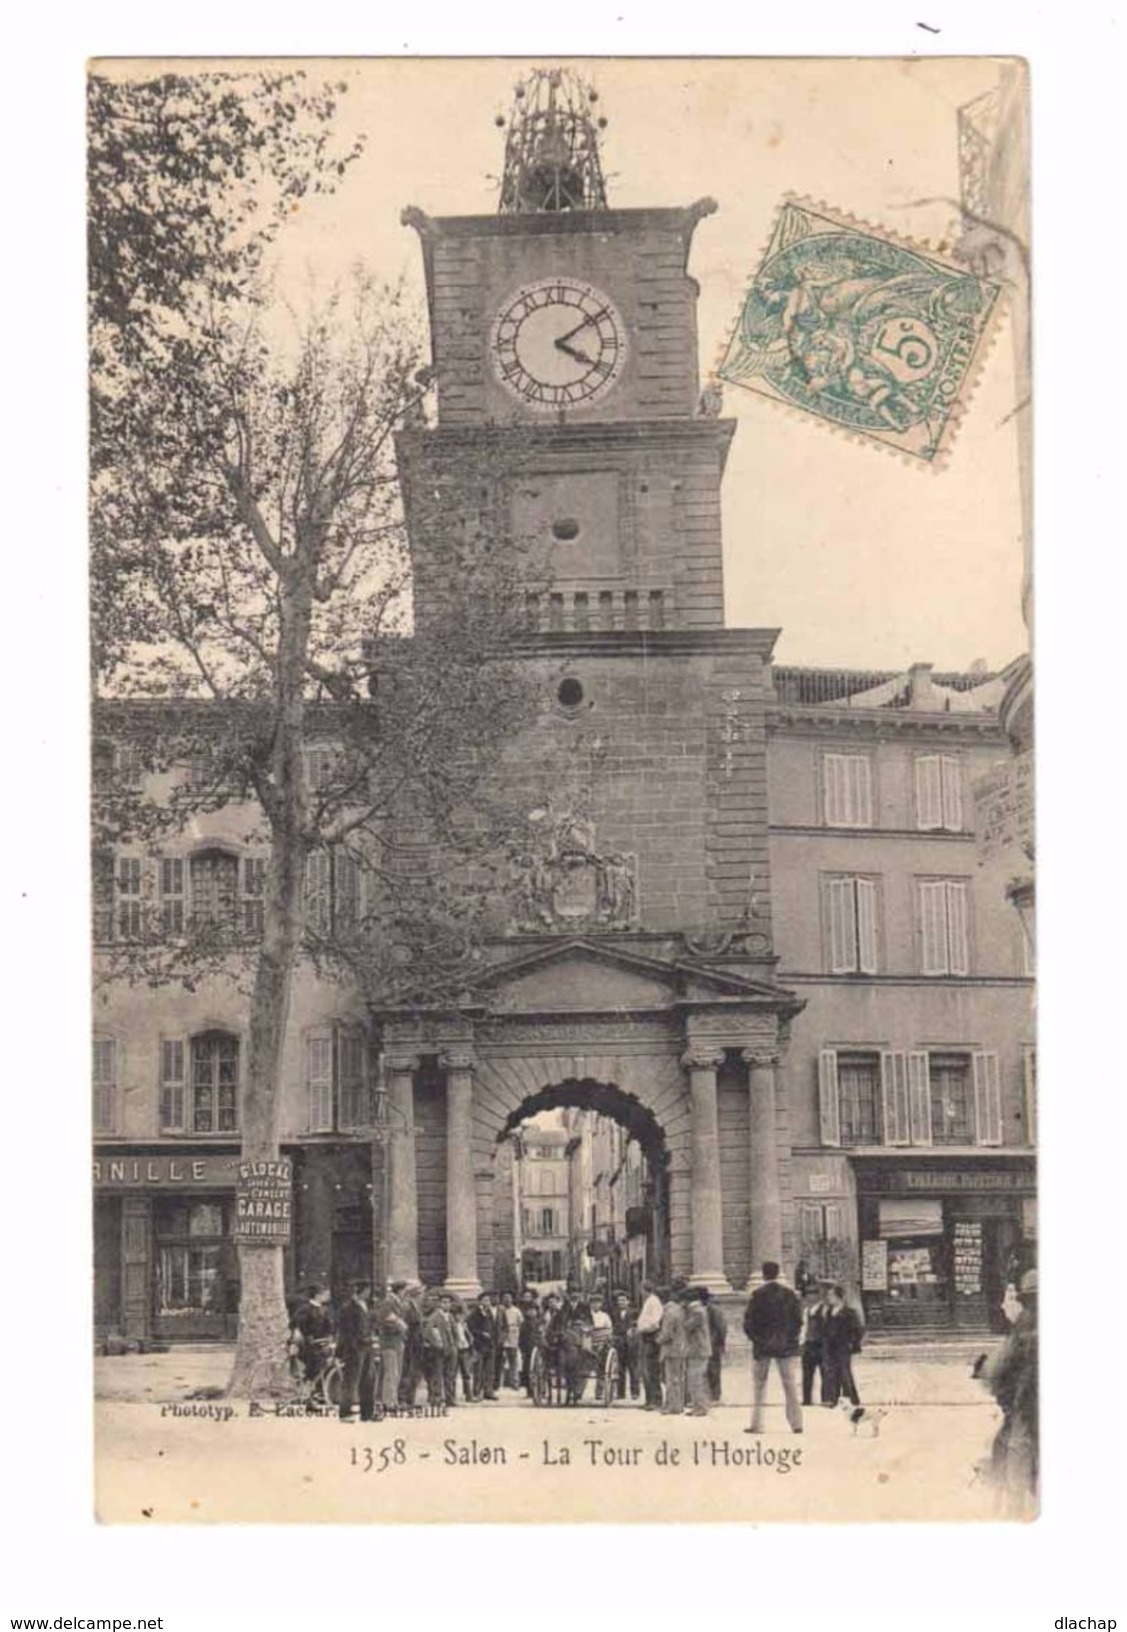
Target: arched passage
{"points": [[582, 1195]]}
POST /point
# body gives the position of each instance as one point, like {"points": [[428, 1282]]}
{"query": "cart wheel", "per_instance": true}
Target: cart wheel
{"points": [[539, 1383], [610, 1378]]}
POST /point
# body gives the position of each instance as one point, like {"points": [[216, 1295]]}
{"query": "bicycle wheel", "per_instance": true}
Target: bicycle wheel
{"points": [[332, 1382], [611, 1377], [539, 1384], [271, 1379]]}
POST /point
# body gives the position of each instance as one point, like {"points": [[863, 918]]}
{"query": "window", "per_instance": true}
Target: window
{"points": [[851, 915], [215, 880], [943, 925], [849, 1089], [337, 1079], [215, 1082], [951, 1098], [105, 1084], [939, 793], [547, 1221], [847, 794], [821, 1233], [129, 899], [254, 891], [172, 896], [332, 892], [322, 766], [172, 1085]]}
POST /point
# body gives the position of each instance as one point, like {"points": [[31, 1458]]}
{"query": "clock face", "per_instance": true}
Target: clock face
{"points": [[558, 343]]}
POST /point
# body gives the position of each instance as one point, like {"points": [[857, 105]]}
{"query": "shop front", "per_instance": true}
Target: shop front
{"points": [[165, 1264], [941, 1240]]}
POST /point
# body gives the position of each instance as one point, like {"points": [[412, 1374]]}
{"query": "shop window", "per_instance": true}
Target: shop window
{"points": [[214, 1084], [105, 1084], [847, 790], [130, 916], [939, 793], [943, 913], [337, 1078], [332, 892], [851, 924], [917, 1255], [188, 1280]]}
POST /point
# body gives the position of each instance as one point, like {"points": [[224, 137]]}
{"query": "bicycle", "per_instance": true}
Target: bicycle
{"points": [[284, 1381]]}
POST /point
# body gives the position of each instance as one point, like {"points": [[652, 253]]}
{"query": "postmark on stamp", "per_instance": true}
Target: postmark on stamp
{"points": [[867, 333]]}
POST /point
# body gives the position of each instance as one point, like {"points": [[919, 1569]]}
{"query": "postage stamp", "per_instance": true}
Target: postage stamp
{"points": [[862, 331]]}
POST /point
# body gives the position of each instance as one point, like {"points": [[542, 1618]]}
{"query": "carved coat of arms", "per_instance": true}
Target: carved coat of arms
{"points": [[563, 881]]}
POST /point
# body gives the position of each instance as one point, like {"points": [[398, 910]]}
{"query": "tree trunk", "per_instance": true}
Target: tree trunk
{"points": [[263, 1319]]}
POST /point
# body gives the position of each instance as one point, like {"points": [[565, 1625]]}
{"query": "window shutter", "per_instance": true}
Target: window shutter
{"points": [[811, 1227], [319, 1079], [866, 926], [105, 1083], [346, 891], [828, 1110], [952, 793], [254, 890], [103, 866], [929, 791], [129, 897], [352, 1054], [958, 951], [860, 791], [172, 1085], [919, 1097], [987, 1100], [933, 927], [317, 892], [894, 1098], [833, 781], [1029, 1064], [843, 926], [835, 1221], [171, 895]]}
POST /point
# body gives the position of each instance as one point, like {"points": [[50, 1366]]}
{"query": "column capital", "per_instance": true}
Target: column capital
{"points": [[759, 1059], [702, 1057], [400, 1064], [457, 1059]]}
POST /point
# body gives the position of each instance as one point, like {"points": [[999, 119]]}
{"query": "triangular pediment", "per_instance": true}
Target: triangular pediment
{"points": [[584, 975]]}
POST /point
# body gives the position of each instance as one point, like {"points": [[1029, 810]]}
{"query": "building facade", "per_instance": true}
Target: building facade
{"points": [[911, 1071]]}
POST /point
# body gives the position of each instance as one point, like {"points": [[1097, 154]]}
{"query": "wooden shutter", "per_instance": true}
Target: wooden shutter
{"points": [[172, 1085], [171, 895], [254, 890], [130, 880], [841, 910], [834, 789], [894, 1098], [919, 1097], [105, 1083], [346, 891], [319, 1081], [951, 776], [866, 926], [318, 892], [811, 1230], [933, 927], [352, 1056], [829, 1116], [987, 1100], [859, 783], [834, 1221], [1029, 1066], [958, 947], [929, 791], [103, 868]]}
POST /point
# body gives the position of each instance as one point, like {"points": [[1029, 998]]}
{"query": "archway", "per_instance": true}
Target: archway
{"points": [[580, 1189]]}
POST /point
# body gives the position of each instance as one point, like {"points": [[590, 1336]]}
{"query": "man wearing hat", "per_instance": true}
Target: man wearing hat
{"points": [[674, 1351]]}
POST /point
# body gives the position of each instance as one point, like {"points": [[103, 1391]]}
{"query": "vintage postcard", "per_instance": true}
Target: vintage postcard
{"points": [[563, 1037]]}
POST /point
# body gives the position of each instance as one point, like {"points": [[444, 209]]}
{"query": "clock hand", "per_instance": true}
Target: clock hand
{"points": [[580, 356], [579, 327]]}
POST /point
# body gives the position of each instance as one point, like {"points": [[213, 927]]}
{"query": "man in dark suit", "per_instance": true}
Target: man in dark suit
{"points": [[354, 1346], [773, 1321], [485, 1335]]}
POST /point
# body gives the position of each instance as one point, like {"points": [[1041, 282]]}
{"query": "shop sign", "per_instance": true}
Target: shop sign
{"points": [[164, 1172], [940, 1179], [264, 1201], [1003, 804], [874, 1266]]}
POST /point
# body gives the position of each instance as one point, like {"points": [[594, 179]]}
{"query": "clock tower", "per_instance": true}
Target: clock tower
{"points": [[635, 974]]}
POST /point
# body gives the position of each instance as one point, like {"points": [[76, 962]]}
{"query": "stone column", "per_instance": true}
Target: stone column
{"points": [[402, 1210], [707, 1205], [461, 1194], [766, 1202]]}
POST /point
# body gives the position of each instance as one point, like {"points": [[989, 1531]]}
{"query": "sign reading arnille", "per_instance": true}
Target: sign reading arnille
{"points": [[264, 1201], [166, 1172]]}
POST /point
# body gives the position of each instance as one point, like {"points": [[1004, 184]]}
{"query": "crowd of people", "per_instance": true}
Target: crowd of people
{"points": [[669, 1344]]}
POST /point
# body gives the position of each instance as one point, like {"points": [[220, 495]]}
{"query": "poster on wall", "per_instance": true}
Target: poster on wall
{"points": [[874, 1266]]}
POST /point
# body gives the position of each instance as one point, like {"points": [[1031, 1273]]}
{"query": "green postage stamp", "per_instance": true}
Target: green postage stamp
{"points": [[869, 334]]}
